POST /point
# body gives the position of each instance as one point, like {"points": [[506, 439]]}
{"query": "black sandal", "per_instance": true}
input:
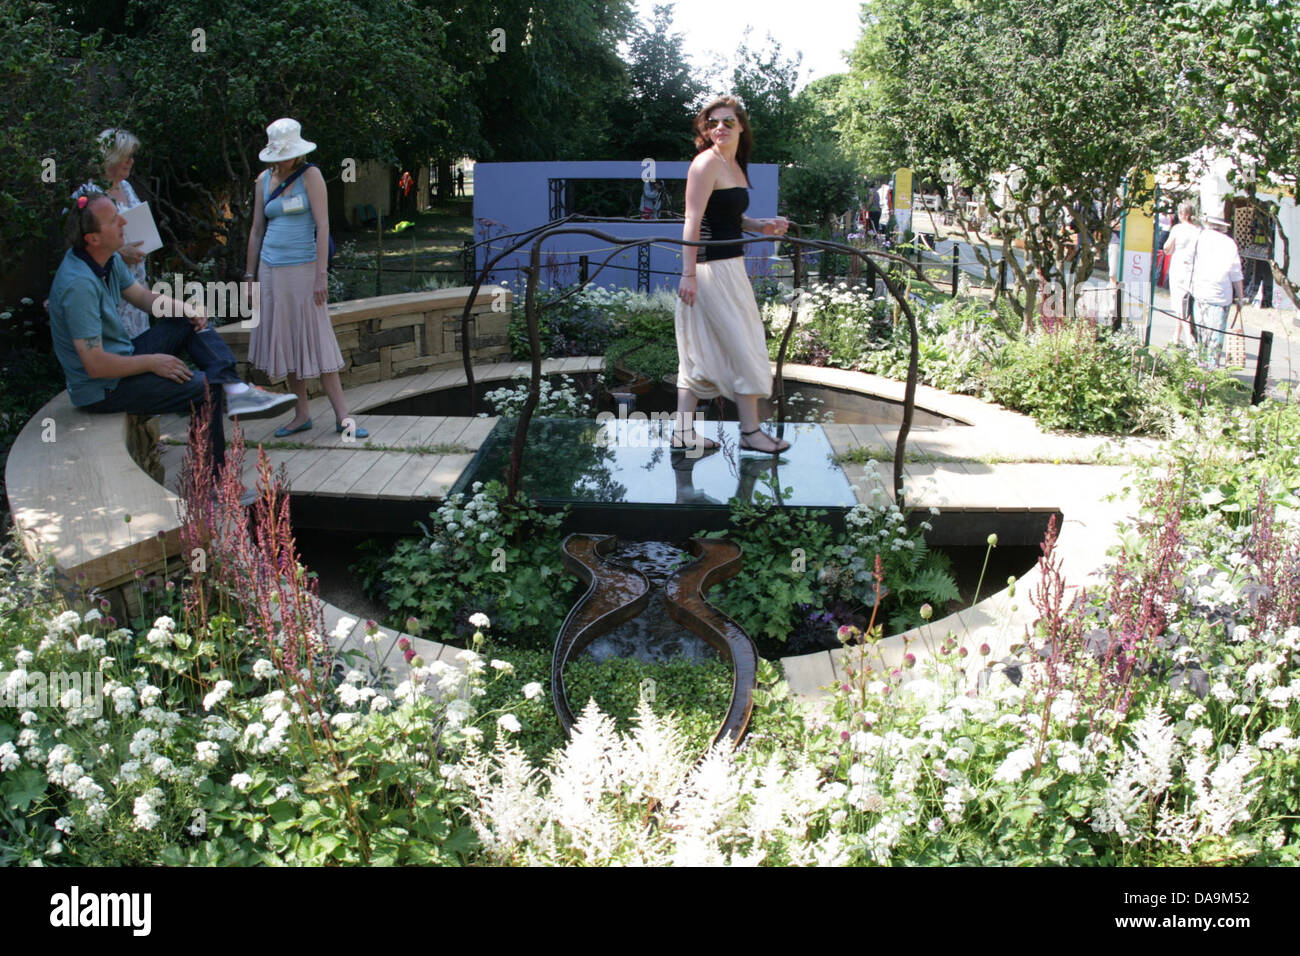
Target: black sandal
{"points": [[782, 444], [704, 444]]}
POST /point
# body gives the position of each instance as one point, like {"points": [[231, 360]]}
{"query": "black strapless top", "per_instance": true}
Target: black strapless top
{"points": [[722, 217]]}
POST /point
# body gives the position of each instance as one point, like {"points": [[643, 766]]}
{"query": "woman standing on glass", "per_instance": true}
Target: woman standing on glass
{"points": [[720, 340], [288, 252]]}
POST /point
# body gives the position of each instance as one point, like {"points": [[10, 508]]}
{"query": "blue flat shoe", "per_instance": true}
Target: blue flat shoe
{"points": [[357, 431], [284, 431]]}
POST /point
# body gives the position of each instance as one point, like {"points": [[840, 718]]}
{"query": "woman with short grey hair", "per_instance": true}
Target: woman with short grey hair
{"points": [[118, 148]]}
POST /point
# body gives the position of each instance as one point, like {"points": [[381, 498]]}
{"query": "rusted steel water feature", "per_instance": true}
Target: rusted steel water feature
{"points": [[616, 594]]}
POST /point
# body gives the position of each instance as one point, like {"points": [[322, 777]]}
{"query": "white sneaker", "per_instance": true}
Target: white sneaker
{"points": [[256, 402]]}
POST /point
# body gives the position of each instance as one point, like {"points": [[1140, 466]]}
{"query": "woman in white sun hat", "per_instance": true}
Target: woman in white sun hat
{"points": [[288, 252]]}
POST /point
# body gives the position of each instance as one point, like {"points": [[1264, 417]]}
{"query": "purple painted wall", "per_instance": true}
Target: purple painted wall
{"points": [[512, 197]]}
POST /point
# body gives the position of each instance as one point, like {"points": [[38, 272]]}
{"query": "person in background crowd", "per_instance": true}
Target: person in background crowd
{"points": [[1179, 245], [1216, 278]]}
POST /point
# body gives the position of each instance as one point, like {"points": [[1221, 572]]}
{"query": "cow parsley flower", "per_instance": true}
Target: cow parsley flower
{"points": [[217, 694], [1278, 737], [532, 690], [86, 789], [241, 782], [509, 722], [146, 809], [124, 700]]}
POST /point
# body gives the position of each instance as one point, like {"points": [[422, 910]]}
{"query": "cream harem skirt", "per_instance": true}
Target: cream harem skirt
{"points": [[720, 342]]}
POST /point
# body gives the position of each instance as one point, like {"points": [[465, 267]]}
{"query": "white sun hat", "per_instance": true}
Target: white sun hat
{"points": [[284, 141]]}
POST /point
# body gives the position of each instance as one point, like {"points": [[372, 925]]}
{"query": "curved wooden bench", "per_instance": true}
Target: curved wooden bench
{"points": [[72, 483]]}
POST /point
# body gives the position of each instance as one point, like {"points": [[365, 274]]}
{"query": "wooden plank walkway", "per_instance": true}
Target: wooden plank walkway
{"points": [[405, 456]]}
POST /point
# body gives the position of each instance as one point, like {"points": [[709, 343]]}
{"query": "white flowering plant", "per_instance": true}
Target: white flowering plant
{"points": [[562, 400], [270, 767], [479, 552], [778, 599]]}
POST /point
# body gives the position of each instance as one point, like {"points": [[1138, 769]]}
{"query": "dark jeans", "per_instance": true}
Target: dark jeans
{"points": [[1259, 272], [150, 394]]}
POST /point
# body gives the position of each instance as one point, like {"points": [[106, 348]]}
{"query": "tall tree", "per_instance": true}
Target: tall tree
{"points": [[48, 130], [1045, 107], [1234, 66], [823, 181], [663, 93], [766, 80], [553, 89], [202, 79]]}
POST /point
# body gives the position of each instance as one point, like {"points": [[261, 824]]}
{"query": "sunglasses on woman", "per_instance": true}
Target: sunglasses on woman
{"points": [[727, 121]]}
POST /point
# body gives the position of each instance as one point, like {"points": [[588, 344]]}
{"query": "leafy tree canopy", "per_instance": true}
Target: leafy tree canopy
{"points": [[1062, 97], [663, 94], [1234, 68]]}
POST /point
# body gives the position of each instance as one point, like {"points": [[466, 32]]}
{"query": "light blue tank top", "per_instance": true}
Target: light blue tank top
{"points": [[290, 232]]}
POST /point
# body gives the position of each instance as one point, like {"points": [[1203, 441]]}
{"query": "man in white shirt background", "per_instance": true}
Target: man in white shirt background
{"points": [[1216, 278]]}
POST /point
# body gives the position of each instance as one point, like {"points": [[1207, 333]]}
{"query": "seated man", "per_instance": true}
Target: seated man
{"points": [[108, 372]]}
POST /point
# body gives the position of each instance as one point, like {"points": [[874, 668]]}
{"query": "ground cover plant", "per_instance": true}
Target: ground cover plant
{"points": [[480, 553], [803, 579]]}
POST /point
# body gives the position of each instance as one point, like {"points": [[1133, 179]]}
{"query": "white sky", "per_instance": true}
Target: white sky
{"points": [[822, 30]]}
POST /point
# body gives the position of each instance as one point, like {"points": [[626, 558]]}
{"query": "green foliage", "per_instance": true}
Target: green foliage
{"points": [[1072, 377], [765, 600], [1043, 109], [49, 129], [483, 554], [548, 94], [28, 379], [1236, 453], [765, 80], [1232, 68], [847, 328], [662, 91], [823, 184], [801, 575], [192, 747], [696, 693], [362, 79], [578, 325]]}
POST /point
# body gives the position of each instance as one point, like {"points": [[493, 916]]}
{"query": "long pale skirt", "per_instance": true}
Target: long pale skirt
{"points": [[292, 333], [720, 343]]}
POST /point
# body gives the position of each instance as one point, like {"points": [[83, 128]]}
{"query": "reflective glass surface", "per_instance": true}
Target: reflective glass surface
{"points": [[630, 462]]}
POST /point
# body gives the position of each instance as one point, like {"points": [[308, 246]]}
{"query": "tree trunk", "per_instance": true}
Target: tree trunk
{"points": [[446, 186]]}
